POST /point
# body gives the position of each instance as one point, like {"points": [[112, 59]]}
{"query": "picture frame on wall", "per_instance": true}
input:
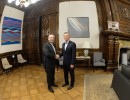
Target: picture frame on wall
{"points": [[11, 31]]}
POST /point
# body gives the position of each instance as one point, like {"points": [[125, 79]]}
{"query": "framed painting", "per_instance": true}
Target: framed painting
{"points": [[78, 27], [11, 31]]}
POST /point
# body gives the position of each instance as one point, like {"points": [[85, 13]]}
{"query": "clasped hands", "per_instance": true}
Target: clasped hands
{"points": [[57, 56]]}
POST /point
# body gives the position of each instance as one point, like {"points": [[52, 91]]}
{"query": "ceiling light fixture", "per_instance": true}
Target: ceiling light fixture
{"points": [[22, 3]]}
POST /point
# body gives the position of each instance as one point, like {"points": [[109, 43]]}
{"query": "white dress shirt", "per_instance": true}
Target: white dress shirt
{"points": [[66, 44]]}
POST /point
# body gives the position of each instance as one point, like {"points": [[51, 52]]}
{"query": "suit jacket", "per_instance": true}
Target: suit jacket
{"points": [[48, 55], [69, 55]]}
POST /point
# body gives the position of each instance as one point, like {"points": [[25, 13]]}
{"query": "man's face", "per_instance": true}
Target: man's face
{"points": [[51, 38], [66, 37]]}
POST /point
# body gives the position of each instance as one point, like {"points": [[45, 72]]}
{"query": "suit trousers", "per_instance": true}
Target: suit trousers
{"points": [[67, 70], [50, 76]]}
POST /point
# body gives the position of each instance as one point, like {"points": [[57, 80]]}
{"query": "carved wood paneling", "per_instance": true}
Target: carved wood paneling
{"points": [[120, 13], [112, 47], [116, 50], [49, 26], [106, 12], [43, 7], [2, 4], [45, 28], [31, 40], [124, 12], [121, 9]]}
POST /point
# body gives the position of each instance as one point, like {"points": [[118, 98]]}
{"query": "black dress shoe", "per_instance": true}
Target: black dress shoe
{"points": [[51, 90], [55, 85], [64, 85], [70, 87]]}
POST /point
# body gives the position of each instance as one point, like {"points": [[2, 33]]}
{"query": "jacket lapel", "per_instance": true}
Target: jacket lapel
{"points": [[51, 47]]}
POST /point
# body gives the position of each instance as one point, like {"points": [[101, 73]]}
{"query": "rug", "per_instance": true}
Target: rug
{"points": [[98, 87]]}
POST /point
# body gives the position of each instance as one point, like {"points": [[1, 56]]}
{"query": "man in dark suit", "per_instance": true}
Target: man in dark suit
{"points": [[69, 59], [50, 56]]}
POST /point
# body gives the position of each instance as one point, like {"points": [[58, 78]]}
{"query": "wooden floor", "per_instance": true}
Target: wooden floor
{"points": [[29, 83]]}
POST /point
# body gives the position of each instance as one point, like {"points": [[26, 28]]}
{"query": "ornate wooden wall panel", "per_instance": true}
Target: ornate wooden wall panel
{"points": [[32, 14], [2, 4], [104, 14], [106, 11], [116, 49], [121, 11], [41, 8], [112, 47], [31, 40], [49, 26], [45, 28]]}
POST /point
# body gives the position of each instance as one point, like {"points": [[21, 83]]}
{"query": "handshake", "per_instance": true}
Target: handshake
{"points": [[57, 56]]}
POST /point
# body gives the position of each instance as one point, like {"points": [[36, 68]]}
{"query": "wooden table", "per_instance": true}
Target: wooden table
{"points": [[88, 58]]}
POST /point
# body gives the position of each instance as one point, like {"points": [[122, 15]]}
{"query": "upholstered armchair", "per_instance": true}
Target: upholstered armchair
{"points": [[98, 60], [61, 61], [6, 65], [20, 59]]}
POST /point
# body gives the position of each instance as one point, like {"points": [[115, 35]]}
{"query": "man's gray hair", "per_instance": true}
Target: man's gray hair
{"points": [[67, 33], [51, 34]]}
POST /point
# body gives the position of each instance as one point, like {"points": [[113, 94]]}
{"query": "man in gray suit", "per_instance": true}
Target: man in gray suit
{"points": [[50, 56]]}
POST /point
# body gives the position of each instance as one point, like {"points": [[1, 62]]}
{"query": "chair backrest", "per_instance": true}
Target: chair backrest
{"points": [[61, 61], [124, 58], [61, 58], [97, 56], [128, 54], [4, 61], [19, 57]]}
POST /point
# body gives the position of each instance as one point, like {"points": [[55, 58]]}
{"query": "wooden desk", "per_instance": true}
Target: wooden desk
{"points": [[88, 58]]}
